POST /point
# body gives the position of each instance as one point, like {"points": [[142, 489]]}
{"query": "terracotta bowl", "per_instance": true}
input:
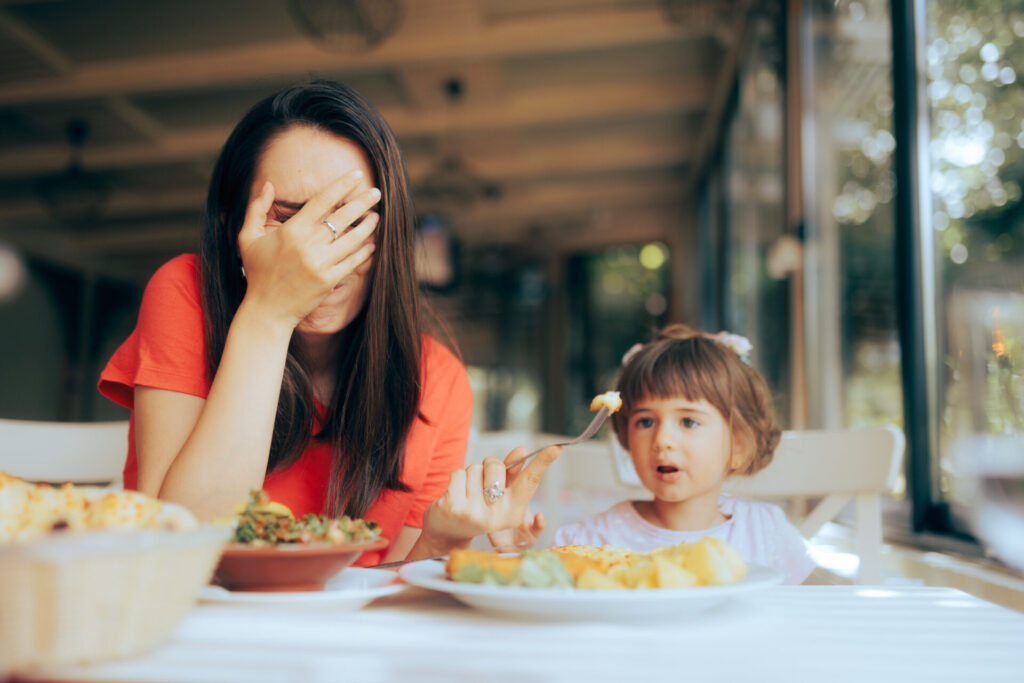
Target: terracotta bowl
{"points": [[289, 567]]}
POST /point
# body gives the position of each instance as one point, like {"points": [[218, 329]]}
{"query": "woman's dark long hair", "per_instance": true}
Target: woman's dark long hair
{"points": [[377, 388]]}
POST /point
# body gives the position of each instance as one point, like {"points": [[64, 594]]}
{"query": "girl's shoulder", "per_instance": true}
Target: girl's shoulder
{"points": [[752, 512], [620, 525]]}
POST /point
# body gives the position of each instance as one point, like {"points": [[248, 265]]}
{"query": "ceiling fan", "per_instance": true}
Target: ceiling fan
{"points": [[74, 197], [451, 183]]}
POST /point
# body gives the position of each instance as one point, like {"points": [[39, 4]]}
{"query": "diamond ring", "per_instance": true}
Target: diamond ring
{"points": [[494, 492]]}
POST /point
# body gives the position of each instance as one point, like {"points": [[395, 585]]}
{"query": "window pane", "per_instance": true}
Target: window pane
{"points": [[975, 58], [757, 288], [618, 297], [853, 347]]}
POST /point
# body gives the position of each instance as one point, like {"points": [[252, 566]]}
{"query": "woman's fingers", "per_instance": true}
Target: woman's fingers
{"points": [[322, 203], [339, 272], [529, 478], [256, 216], [538, 524], [457, 485], [362, 234], [494, 478], [348, 214], [517, 453], [474, 489]]}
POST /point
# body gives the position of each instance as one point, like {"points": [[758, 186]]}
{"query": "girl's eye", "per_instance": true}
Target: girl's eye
{"points": [[690, 423], [644, 422]]}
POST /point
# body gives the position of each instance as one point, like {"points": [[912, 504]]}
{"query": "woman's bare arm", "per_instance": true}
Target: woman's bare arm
{"points": [[207, 454]]}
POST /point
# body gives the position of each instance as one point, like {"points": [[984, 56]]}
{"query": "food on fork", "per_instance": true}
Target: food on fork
{"points": [[262, 522], [29, 511], [609, 399], [706, 563]]}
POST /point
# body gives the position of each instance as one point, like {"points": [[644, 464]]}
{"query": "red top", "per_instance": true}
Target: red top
{"points": [[167, 351]]}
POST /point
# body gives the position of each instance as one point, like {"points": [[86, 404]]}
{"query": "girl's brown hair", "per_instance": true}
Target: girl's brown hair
{"points": [[377, 391], [681, 361]]}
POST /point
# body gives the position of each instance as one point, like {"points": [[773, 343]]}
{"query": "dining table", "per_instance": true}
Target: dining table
{"points": [[781, 633]]}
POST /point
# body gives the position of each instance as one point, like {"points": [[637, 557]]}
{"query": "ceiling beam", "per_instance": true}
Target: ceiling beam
{"points": [[530, 162], [59, 62], [582, 157], [535, 107], [725, 79], [54, 247], [48, 53], [297, 58], [179, 146], [646, 224], [542, 205], [522, 209], [123, 204], [558, 105]]}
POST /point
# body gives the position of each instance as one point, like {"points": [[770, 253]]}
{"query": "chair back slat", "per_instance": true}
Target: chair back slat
{"points": [[836, 466], [818, 462], [56, 452]]}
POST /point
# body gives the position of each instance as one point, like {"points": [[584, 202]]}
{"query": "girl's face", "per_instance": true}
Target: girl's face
{"points": [[680, 448], [301, 162]]}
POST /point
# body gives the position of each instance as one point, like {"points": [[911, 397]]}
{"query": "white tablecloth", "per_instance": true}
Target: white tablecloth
{"points": [[804, 633]]}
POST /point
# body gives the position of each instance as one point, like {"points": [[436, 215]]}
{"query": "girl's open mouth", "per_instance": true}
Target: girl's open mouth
{"points": [[669, 473]]}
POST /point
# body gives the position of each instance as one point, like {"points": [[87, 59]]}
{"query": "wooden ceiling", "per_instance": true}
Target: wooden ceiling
{"points": [[590, 117]]}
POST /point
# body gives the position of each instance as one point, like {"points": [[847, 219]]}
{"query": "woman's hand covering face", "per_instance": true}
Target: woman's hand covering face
{"points": [[294, 264], [291, 269]]}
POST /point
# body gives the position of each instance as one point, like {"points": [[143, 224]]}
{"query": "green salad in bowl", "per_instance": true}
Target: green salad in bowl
{"points": [[272, 550]]}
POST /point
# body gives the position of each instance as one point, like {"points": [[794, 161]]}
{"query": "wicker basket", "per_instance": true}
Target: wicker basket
{"points": [[94, 596]]}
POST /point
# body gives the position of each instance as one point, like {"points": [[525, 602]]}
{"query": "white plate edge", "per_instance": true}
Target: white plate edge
{"points": [[427, 574], [219, 594]]}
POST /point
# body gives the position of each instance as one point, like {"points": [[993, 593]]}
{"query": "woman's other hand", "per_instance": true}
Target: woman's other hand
{"points": [[292, 263], [522, 537], [526, 535], [465, 510]]}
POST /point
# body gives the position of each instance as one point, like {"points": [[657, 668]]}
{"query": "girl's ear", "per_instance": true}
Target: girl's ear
{"points": [[742, 452]]}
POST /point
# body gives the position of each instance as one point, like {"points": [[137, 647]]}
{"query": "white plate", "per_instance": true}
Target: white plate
{"points": [[350, 589], [573, 603]]}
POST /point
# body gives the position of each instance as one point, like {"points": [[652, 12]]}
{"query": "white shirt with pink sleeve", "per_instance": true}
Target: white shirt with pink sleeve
{"points": [[759, 531]]}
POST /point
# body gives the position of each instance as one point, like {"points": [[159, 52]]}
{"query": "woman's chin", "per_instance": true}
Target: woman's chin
{"points": [[326, 322]]}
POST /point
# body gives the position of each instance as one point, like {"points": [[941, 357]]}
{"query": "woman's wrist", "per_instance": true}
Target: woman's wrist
{"points": [[431, 545], [257, 322]]}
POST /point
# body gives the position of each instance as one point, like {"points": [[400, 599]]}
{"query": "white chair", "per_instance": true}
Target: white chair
{"points": [[57, 452], [835, 466]]}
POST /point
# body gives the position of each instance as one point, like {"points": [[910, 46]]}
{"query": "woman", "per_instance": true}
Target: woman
{"points": [[289, 356]]}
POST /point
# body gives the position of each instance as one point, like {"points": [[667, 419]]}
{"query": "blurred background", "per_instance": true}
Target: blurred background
{"points": [[825, 177]]}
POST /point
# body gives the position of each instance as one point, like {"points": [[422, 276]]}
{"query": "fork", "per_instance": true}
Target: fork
{"points": [[589, 432]]}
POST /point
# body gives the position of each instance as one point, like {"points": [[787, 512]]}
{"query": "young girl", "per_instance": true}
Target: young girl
{"points": [[694, 413]]}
